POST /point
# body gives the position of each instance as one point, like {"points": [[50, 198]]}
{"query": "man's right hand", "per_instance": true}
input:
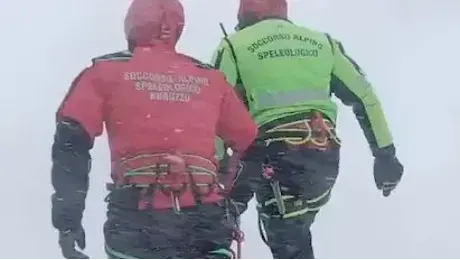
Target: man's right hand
{"points": [[388, 172], [66, 217], [69, 239]]}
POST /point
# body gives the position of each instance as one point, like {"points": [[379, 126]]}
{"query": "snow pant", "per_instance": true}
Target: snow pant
{"points": [[306, 177], [203, 231]]}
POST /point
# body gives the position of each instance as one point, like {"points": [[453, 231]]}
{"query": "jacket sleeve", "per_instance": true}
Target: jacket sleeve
{"points": [[350, 85], [79, 120], [235, 126]]}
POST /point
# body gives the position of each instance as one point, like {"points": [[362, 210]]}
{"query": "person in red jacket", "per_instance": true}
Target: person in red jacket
{"points": [[161, 110]]}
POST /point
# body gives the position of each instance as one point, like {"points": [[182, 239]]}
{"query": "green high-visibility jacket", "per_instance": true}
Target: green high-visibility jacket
{"points": [[282, 69]]}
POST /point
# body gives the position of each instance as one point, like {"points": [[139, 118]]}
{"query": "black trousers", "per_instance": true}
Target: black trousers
{"points": [[203, 231], [304, 174]]}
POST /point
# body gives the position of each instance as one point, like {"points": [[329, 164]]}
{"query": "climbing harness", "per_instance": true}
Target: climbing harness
{"points": [[183, 180], [314, 133]]}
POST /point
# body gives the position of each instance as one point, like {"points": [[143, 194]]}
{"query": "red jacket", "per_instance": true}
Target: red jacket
{"points": [[158, 101]]}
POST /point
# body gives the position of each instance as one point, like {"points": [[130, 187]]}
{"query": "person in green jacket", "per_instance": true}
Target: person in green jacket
{"points": [[286, 75]]}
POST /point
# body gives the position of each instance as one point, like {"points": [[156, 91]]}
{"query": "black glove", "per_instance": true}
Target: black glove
{"points": [[387, 172], [67, 241], [66, 217]]}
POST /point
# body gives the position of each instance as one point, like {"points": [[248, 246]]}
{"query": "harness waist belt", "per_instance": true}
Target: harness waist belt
{"points": [[315, 132], [166, 180]]}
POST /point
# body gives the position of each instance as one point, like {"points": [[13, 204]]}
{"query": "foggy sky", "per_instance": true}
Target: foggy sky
{"points": [[408, 48]]}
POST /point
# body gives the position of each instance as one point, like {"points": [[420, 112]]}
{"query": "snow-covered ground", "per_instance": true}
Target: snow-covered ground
{"points": [[409, 49]]}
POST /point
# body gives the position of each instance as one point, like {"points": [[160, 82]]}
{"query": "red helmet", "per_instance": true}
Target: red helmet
{"points": [[252, 11], [154, 22]]}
